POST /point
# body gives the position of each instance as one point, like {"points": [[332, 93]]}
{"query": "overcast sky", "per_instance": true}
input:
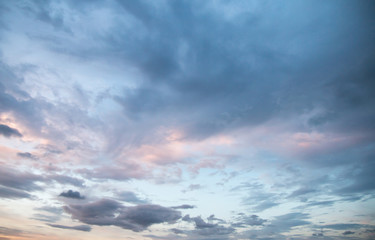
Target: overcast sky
{"points": [[187, 120]]}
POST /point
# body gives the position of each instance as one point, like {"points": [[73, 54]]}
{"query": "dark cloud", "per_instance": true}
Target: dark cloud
{"points": [[223, 49], [131, 197], [19, 180], [208, 229], [184, 206], [177, 231], [9, 132], [140, 217], [108, 212], [13, 193], [348, 233], [84, 228], [72, 194], [27, 155]]}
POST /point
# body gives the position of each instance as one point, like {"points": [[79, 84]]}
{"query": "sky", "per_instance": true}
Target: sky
{"points": [[186, 119]]}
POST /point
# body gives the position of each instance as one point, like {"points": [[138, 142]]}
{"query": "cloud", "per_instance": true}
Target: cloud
{"points": [[177, 231], [67, 180], [19, 180], [107, 212], [184, 206], [10, 231], [207, 229], [140, 217], [72, 194], [130, 197], [9, 132], [84, 228], [348, 233], [27, 155], [13, 193], [284, 223], [344, 226], [244, 221]]}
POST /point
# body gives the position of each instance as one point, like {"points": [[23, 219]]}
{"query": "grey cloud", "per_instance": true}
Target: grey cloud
{"points": [[207, 229], [177, 231], [108, 212], [302, 191], [9, 132], [184, 206], [215, 231], [19, 180], [200, 223], [252, 220], [72, 194], [67, 180], [130, 197], [84, 228], [27, 155], [18, 102], [49, 209], [344, 226], [140, 217], [284, 223], [266, 204], [10, 231], [212, 62], [348, 233], [319, 203], [46, 218], [13, 193], [362, 178], [213, 218]]}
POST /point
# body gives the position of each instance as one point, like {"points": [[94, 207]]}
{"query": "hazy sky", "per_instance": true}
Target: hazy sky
{"points": [[189, 120]]}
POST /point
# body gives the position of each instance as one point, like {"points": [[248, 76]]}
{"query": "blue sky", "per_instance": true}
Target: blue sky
{"points": [[187, 120]]}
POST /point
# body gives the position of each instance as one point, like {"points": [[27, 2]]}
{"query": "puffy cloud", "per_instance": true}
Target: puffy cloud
{"points": [[84, 228], [72, 194], [107, 212], [9, 132]]}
